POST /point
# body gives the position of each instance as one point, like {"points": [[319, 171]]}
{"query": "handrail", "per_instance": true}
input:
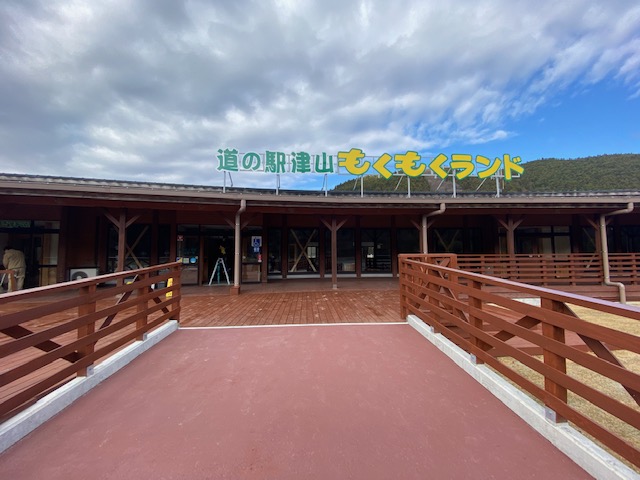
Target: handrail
{"points": [[458, 304], [555, 269], [49, 335]]}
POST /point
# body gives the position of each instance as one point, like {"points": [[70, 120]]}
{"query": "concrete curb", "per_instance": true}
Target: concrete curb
{"points": [[28, 420], [591, 457]]}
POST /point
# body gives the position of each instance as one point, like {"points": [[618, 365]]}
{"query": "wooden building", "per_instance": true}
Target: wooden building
{"points": [[70, 227]]}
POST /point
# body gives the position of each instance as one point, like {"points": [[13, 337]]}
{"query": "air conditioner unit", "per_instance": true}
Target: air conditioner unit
{"points": [[80, 273]]}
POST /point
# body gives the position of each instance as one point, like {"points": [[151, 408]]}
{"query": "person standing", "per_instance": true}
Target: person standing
{"points": [[14, 260]]}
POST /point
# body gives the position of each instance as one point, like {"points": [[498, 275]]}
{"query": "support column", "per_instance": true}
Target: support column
{"points": [[510, 226], [121, 225], [424, 238], [237, 265], [424, 227], [334, 226]]}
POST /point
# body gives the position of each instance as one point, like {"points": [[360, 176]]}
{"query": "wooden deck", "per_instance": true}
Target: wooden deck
{"points": [[285, 302]]}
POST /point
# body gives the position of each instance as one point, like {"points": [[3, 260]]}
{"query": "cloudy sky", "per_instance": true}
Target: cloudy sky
{"points": [[149, 90]]}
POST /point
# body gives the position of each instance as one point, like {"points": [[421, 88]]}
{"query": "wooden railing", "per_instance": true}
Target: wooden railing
{"points": [[555, 269], [508, 335], [10, 277], [51, 334]]}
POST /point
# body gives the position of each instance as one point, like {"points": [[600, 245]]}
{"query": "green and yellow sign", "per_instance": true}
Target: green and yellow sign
{"points": [[356, 162]]}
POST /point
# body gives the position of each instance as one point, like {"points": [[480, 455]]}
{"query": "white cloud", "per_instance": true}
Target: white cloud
{"points": [[151, 89]]}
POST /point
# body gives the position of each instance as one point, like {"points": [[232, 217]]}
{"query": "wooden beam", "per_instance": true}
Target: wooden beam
{"points": [[18, 331], [131, 221]]}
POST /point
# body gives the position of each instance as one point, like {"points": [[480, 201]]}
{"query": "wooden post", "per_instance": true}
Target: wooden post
{"points": [[554, 360], [402, 270], [322, 247], [177, 279], [334, 226], [433, 303], [424, 235], [87, 307], [142, 307], [476, 321], [121, 225], [334, 253], [510, 226]]}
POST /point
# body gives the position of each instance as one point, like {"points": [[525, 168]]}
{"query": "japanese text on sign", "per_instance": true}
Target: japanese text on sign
{"points": [[355, 162]]}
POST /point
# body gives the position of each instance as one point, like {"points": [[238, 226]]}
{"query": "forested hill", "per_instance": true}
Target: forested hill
{"points": [[602, 172]]}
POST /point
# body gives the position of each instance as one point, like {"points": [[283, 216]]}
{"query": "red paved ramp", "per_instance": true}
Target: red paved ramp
{"points": [[312, 402]]}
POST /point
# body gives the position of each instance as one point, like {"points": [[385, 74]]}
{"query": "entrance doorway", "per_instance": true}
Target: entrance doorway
{"points": [[218, 244]]}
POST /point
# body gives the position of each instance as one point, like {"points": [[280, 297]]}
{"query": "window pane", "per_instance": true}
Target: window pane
{"points": [[376, 250], [346, 250], [274, 263]]}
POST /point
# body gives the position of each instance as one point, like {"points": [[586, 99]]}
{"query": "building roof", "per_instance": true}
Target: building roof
{"points": [[93, 192]]}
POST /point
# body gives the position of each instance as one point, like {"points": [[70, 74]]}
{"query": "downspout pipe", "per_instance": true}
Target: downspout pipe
{"points": [[605, 251], [238, 247], [440, 211]]}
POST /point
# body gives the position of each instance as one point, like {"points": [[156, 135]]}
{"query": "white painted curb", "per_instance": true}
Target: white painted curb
{"points": [[591, 457], [28, 420]]}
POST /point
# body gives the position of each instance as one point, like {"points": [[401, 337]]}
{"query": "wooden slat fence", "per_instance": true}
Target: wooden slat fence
{"points": [[499, 331], [50, 335], [555, 269]]}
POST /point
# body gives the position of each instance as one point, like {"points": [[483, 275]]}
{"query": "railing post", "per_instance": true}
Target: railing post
{"points": [[143, 307], [433, 287], [176, 282], [475, 302], [554, 360], [87, 307], [402, 269]]}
